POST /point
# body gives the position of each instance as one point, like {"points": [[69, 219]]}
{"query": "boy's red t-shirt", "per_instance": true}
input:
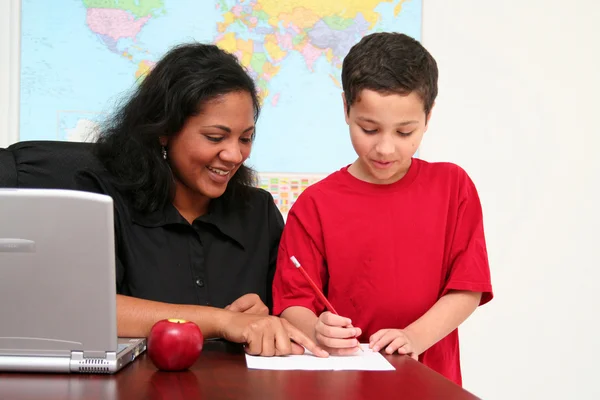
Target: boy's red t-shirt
{"points": [[384, 254]]}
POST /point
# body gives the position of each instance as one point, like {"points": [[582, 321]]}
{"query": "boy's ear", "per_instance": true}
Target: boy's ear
{"points": [[345, 109], [429, 115]]}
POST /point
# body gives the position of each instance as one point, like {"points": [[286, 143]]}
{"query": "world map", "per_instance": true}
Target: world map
{"points": [[80, 59]]}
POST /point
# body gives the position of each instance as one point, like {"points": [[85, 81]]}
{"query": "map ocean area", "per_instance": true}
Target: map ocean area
{"points": [[80, 58]]}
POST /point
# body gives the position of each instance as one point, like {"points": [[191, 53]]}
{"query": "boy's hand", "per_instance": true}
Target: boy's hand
{"points": [[249, 304], [395, 340], [336, 334]]}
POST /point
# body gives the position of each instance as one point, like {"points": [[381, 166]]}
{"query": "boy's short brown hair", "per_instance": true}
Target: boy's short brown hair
{"points": [[387, 63]]}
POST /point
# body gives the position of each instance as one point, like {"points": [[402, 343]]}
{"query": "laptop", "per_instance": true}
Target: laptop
{"points": [[57, 284]]}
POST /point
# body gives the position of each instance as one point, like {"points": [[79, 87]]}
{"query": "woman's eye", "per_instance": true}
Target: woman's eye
{"points": [[215, 139]]}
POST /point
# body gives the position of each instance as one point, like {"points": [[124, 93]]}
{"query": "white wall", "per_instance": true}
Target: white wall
{"points": [[9, 75], [518, 96], [518, 102]]}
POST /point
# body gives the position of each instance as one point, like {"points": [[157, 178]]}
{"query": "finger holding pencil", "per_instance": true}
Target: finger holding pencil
{"points": [[333, 331]]}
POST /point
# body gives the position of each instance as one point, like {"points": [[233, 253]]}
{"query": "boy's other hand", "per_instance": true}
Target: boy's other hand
{"points": [[395, 340], [336, 334], [249, 304]]}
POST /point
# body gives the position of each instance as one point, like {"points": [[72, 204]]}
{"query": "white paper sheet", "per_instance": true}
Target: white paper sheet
{"points": [[360, 361]]}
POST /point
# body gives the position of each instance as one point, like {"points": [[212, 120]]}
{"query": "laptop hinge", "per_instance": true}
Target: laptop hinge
{"points": [[95, 354], [103, 355]]}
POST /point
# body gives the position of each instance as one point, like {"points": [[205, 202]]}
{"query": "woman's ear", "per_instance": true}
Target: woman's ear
{"points": [[163, 140]]}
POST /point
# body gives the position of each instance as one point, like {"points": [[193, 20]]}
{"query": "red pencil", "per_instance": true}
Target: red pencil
{"points": [[314, 286], [317, 290]]}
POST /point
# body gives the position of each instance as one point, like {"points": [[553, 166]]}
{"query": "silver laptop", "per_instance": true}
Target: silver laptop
{"points": [[57, 284]]}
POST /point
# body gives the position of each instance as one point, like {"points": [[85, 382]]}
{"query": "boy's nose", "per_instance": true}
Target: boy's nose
{"points": [[385, 147]]}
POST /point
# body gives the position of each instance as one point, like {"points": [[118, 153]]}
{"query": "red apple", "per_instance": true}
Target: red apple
{"points": [[174, 344]]}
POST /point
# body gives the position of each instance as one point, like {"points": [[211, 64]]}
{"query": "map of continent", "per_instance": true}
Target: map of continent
{"points": [[81, 58]]}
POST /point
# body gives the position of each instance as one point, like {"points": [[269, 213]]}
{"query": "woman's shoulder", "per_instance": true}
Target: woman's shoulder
{"points": [[254, 198], [98, 180], [93, 180]]}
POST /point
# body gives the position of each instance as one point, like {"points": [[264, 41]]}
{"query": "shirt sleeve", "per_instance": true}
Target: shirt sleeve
{"points": [[468, 262], [302, 238], [275, 229], [88, 181]]}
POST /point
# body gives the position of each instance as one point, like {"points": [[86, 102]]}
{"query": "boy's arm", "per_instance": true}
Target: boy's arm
{"points": [[301, 238], [467, 285], [302, 318], [446, 315]]}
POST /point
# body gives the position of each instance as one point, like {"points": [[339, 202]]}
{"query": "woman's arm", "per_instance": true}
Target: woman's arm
{"points": [[135, 317], [263, 334]]}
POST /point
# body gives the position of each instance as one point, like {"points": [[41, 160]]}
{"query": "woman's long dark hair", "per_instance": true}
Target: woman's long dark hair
{"points": [[176, 88]]}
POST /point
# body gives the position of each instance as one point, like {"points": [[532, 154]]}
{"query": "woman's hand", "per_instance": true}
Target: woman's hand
{"points": [[250, 304], [268, 335]]}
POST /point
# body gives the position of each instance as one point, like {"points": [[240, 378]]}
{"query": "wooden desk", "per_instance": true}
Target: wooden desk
{"points": [[221, 373]]}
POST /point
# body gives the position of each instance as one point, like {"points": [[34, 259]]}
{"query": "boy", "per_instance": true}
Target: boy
{"points": [[396, 243]]}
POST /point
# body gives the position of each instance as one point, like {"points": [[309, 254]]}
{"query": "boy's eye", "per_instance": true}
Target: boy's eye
{"points": [[368, 130], [405, 134]]}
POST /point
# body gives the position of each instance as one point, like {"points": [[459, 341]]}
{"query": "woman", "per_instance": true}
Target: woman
{"points": [[194, 239]]}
